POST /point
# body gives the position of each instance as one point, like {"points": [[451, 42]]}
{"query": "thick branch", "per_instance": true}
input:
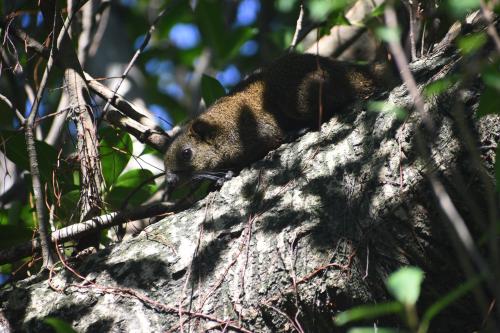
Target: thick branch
{"points": [[79, 230], [80, 106]]}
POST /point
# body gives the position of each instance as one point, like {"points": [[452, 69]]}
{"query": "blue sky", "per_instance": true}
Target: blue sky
{"points": [[186, 36]]}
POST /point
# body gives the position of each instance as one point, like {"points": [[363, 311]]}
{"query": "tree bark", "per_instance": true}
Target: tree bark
{"points": [[309, 231]]}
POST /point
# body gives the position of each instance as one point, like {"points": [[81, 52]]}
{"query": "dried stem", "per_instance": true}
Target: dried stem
{"points": [[298, 27]]}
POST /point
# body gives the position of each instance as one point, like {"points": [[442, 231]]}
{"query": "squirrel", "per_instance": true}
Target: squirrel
{"points": [[294, 92]]}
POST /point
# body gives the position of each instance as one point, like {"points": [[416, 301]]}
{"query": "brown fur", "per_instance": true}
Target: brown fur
{"points": [[256, 116]]}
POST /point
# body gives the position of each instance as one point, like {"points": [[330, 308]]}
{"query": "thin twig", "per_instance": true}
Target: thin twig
{"points": [[131, 293], [48, 259], [446, 204], [290, 320], [140, 125], [402, 63], [298, 27], [145, 42], [486, 11]]}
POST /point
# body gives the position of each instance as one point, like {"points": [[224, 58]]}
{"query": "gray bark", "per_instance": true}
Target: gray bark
{"points": [[309, 231]]}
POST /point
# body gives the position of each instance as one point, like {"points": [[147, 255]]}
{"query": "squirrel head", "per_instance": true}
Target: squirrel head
{"points": [[192, 151]]}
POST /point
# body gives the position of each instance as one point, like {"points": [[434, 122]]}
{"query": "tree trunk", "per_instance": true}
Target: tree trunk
{"points": [[309, 231]]}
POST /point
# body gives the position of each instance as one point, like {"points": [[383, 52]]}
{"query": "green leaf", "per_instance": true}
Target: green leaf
{"points": [[388, 34], [377, 11], [386, 107], [446, 300], [437, 87], [150, 150], [404, 284], [13, 234], [14, 144], [285, 5], [319, 10], [373, 330], [339, 19], [237, 39], [488, 102], [211, 89], [367, 312], [115, 149], [69, 204], [59, 325], [6, 268], [209, 16], [177, 12], [14, 213], [27, 216], [471, 43], [4, 217], [461, 7], [139, 181], [491, 76]]}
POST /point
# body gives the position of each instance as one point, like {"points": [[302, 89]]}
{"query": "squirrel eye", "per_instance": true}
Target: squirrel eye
{"points": [[186, 154]]}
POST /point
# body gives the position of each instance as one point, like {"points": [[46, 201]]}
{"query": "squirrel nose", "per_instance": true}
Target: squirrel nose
{"points": [[171, 178]]}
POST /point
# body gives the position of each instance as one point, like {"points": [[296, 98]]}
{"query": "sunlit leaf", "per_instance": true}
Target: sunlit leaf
{"points": [[471, 43], [319, 10], [386, 107], [388, 34], [404, 284], [286, 5], [115, 149], [148, 150], [4, 217], [27, 216], [437, 87], [339, 19], [367, 312], [377, 11]]}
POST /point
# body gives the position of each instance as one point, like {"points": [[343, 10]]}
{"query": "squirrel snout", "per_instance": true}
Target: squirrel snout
{"points": [[171, 179]]}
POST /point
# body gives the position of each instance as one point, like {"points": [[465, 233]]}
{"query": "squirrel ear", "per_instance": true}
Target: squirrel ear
{"points": [[202, 129]]}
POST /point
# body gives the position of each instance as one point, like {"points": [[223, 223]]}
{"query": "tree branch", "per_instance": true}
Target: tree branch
{"points": [[43, 227], [153, 135], [78, 230]]}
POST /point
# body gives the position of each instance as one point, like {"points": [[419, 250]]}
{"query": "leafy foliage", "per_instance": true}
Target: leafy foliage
{"points": [[200, 48], [211, 89], [404, 285]]}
